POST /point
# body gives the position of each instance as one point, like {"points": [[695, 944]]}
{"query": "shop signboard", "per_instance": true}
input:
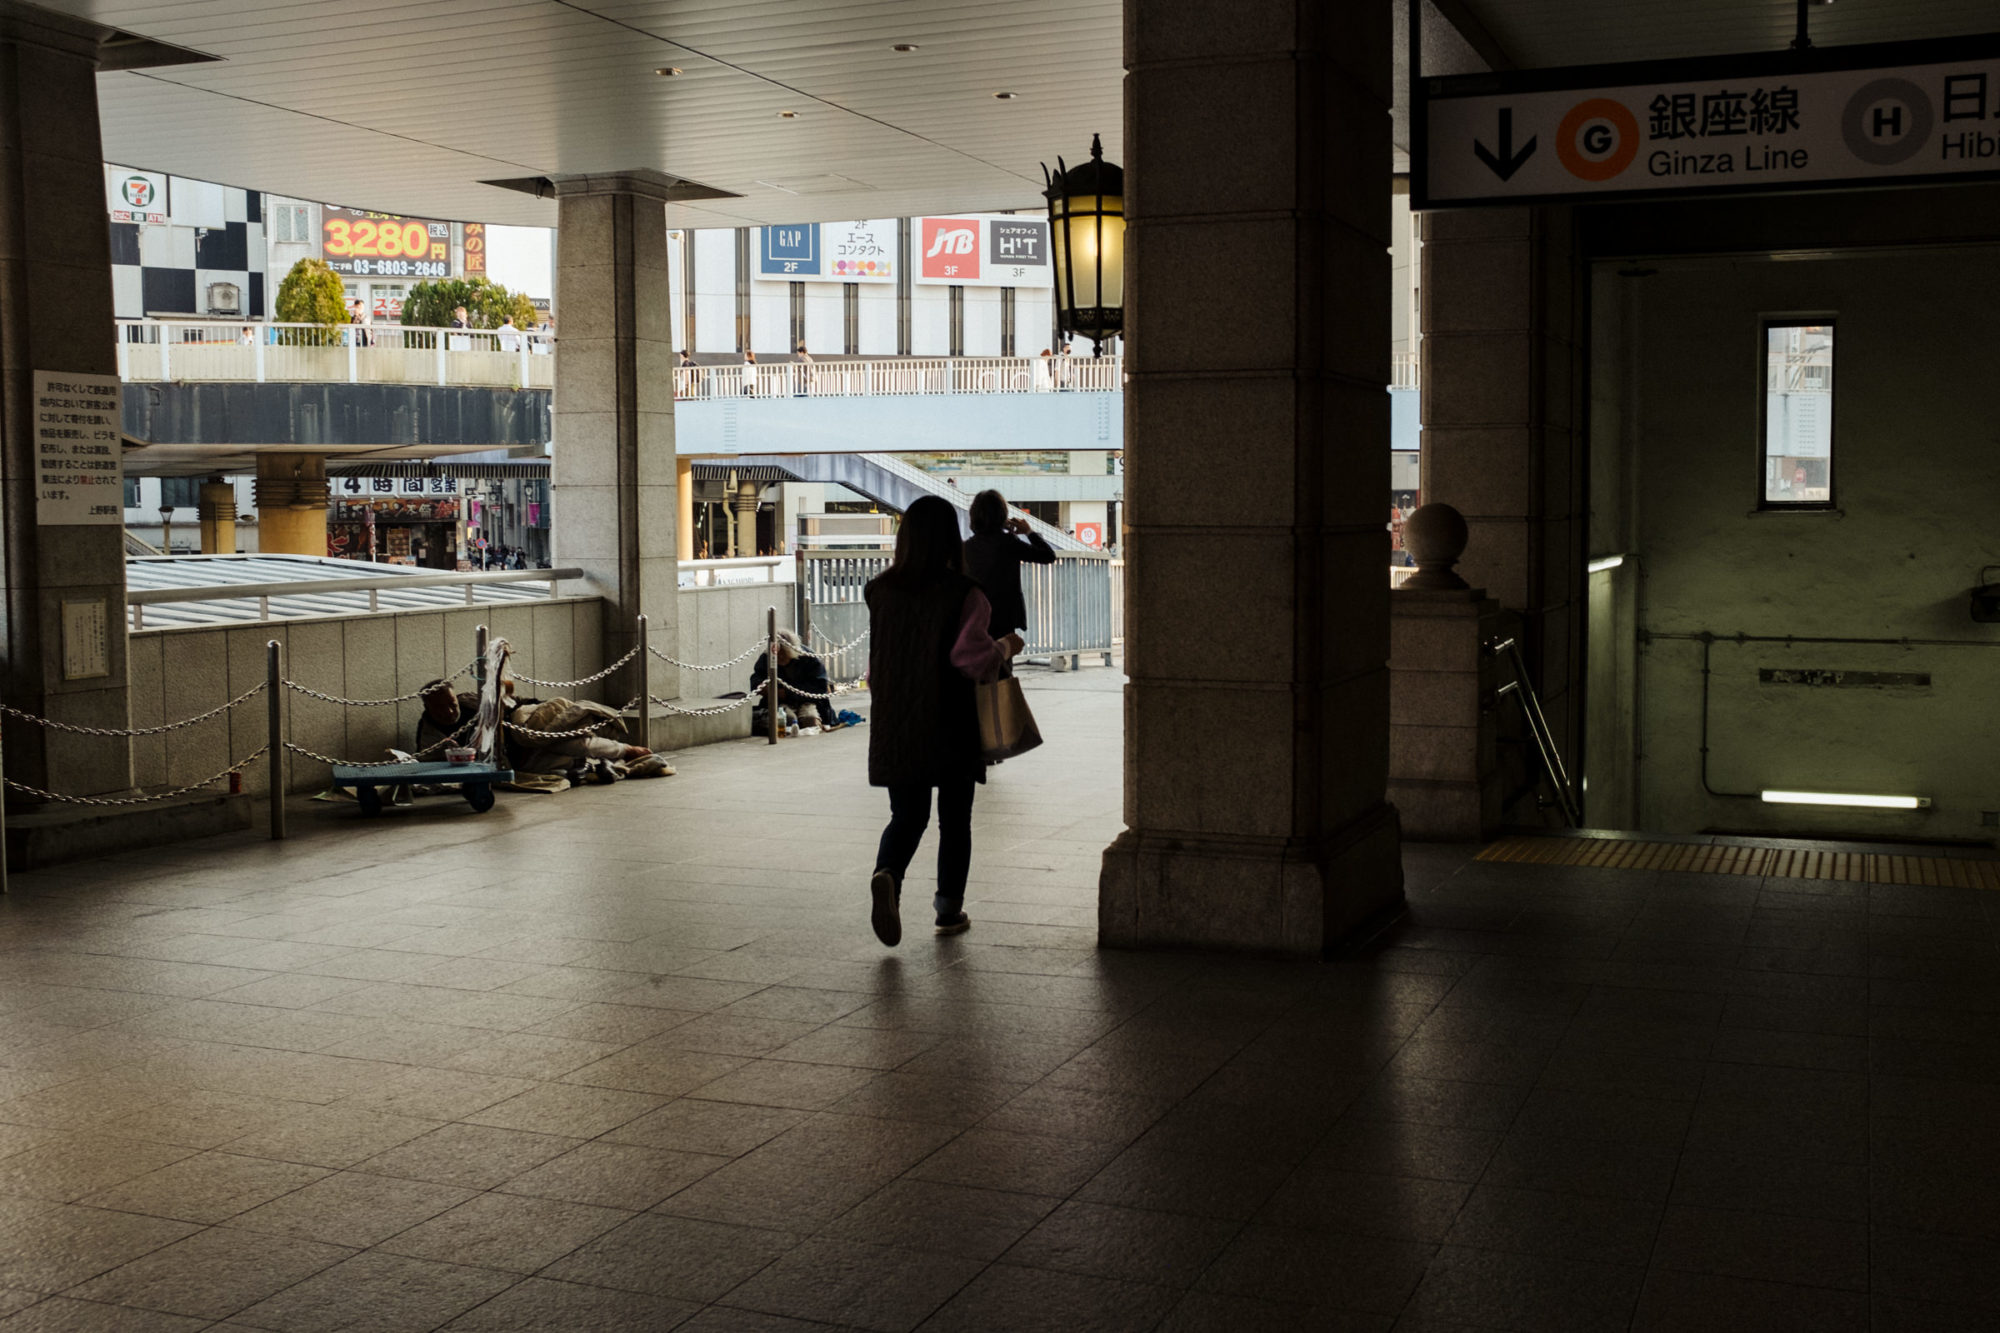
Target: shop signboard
{"points": [[135, 196], [863, 251], [1825, 118], [383, 245], [1009, 250], [790, 252], [1091, 535], [79, 463], [475, 249], [392, 487]]}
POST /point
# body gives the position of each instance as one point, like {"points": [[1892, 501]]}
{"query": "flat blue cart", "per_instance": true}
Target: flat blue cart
{"points": [[475, 781]]}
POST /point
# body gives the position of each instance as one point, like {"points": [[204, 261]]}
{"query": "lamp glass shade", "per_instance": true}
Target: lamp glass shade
{"points": [[1087, 244]]}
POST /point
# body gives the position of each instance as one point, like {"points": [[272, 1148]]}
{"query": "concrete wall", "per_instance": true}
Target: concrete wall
{"points": [[893, 423], [1915, 403], [719, 623], [181, 672]]}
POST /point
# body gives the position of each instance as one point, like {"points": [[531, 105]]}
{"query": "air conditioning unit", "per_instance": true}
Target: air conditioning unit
{"points": [[225, 298]]}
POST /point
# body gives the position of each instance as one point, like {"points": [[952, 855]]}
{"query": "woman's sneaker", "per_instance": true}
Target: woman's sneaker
{"points": [[886, 918], [956, 925]]}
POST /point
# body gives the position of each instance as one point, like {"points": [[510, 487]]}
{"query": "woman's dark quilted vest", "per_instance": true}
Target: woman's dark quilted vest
{"points": [[924, 726]]}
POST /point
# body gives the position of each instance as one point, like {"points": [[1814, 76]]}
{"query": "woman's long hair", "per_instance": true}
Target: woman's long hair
{"points": [[927, 543]]}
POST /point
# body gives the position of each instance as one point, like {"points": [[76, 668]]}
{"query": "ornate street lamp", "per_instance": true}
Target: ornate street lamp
{"points": [[1087, 235]]}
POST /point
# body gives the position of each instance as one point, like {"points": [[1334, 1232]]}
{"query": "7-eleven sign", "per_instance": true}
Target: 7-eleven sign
{"points": [[135, 196]]}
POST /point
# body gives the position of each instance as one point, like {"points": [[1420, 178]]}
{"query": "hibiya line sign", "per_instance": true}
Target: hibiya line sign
{"points": [[1911, 112], [79, 469]]}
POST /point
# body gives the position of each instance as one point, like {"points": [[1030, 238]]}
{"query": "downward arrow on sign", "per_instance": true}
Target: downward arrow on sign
{"points": [[1508, 162]]}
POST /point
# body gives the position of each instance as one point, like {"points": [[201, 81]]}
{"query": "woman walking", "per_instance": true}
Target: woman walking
{"points": [[928, 646]]}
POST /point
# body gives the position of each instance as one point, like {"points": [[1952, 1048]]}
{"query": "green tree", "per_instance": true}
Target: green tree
{"points": [[487, 304], [312, 293]]}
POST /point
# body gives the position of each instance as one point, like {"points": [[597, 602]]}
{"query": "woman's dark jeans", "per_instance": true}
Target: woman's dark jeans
{"points": [[909, 816]]}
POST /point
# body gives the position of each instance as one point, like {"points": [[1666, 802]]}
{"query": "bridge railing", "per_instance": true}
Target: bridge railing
{"points": [[903, 376], [1070, 604], [166, 350]]}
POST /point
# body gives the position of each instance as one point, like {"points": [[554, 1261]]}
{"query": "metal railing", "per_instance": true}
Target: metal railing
{"points": [[248, 603], [1070, 603], [1404, 368], [167, 351], [732, 571], [904, 376]]}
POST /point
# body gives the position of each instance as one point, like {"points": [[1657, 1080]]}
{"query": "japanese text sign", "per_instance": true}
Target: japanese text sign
{"points": [[1820, 119]]}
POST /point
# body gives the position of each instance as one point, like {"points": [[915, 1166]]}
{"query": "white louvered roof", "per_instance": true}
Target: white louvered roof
{"points": [[407, 105]]}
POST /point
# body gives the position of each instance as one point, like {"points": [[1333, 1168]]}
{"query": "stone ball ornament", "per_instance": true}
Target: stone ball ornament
{"points": [[1435, 535]]}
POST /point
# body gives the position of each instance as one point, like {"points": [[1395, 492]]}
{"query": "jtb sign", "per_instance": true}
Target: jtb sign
{"points": [[950, 249], [1827, 118]]}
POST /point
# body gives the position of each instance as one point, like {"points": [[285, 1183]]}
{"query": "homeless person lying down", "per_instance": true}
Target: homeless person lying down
{"points": [[539, 762]]}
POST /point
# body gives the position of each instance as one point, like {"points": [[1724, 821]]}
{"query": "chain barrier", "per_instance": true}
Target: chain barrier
{"points": [[590, 730], [743, 656], [296, 748], [731, 706], [244, 697], [587, 680], [373, 703], [236, 767], [836, 649]]}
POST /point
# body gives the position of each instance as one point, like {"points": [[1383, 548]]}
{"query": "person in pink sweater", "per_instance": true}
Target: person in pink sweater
{"points": [[929, 644]]}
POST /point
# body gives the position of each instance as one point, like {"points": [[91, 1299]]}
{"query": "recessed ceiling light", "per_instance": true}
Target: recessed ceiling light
{"points": [[904, 46], [788, 115], [667, 71], [1006, 97]]}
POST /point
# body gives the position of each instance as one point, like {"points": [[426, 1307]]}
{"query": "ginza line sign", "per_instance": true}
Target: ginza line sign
{"points": [[1765, 123]]}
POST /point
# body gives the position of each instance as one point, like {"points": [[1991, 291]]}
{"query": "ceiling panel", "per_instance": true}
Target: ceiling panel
{"points": [[1540, 33], [407, 107]]}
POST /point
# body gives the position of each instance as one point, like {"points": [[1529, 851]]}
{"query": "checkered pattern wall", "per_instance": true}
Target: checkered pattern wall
{"points": [[166, 269]]}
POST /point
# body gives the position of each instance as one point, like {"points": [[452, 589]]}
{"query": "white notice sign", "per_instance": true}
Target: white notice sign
{"points": [[1912, 113], [79, 465], [86, 642]]}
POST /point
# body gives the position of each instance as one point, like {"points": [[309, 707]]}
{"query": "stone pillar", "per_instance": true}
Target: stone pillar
{"points": [[745, 500], [1503, 424], [218, 517], [292, 494], [684, 520], [55, 315], [613, 489], [1257, 461]]}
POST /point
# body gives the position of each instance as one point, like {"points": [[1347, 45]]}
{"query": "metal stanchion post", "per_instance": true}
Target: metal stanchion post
{"points": [[274, 689], [479, 660], [771, 673], [3, 836], [645, 688]]}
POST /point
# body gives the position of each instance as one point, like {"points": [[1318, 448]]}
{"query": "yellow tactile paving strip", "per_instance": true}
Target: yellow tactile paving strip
{"points": [[1721, 859]]}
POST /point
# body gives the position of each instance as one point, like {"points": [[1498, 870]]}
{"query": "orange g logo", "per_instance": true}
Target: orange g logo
{"points": [[1597, 139]]}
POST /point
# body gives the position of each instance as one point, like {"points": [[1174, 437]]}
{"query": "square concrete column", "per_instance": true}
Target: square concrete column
{"points": [[1502, 386], [1257, 462], [55, 315], [613, 491]]}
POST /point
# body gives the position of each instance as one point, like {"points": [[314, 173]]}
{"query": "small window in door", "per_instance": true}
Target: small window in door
{"points": [[1798, 414]]}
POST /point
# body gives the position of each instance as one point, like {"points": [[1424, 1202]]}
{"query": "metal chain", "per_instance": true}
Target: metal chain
{"points": [[590, 730], [743, 656], [587, 680], [837, 648], [658, 702], [248, 694], [236, 767], [296, 748], [374, 703], [785, 687]]}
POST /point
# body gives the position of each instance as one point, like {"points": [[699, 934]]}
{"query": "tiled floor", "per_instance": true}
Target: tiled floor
{"points": [[630, 1059]]}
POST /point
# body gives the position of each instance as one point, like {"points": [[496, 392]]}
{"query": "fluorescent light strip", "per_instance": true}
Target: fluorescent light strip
{"points": [[1840, 798], [1604, 562]]}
